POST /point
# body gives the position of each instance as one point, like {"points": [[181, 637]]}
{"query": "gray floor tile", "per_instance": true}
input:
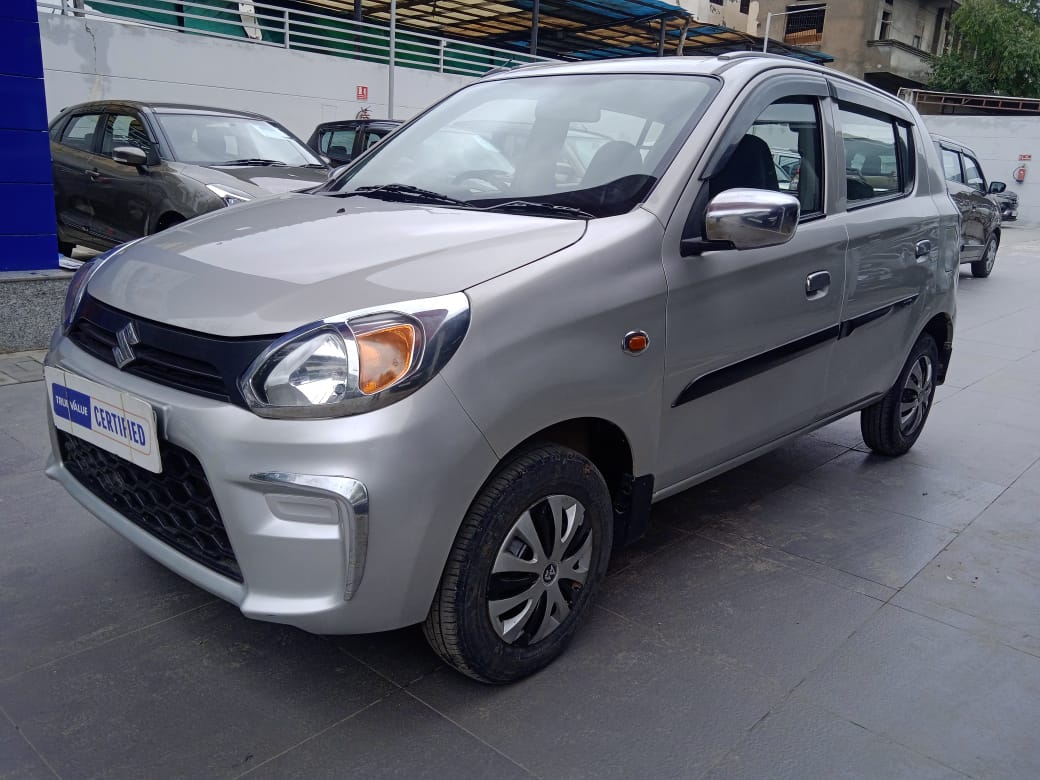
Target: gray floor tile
{"points": [[796, 458], [369, 745], [1009, 384], [897, 484], [1014, 330], [660, 537], [206, 695], [729, 492], [23, 411], [798, 740], [760, 614], [1013, 517], [970, 364], [844, 432], [67, 582], [18, 761], [16, 458], [984, 586], [849, 535], [971, 435], [401, 656], [618, 704], [938, 690]]}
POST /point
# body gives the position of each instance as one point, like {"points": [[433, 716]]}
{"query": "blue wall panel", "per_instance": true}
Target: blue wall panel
{"points": [[27, 226]]}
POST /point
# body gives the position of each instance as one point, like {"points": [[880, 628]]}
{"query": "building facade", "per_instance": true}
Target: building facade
{"points": [[890, 43]]}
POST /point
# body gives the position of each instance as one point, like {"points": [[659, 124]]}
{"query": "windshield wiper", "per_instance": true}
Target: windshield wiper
{"points": [[535, 208], [406, 193], [254, 161]]}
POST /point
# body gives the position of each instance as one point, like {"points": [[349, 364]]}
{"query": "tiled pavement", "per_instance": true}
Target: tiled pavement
{"points": [[817, 613], [18, 367]]}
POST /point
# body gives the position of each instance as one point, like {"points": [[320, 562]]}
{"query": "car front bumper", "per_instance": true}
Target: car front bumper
{"points": [[338, 526]]}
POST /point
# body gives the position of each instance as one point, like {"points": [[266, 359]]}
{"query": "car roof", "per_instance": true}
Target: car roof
{"points": [[165, 108]]}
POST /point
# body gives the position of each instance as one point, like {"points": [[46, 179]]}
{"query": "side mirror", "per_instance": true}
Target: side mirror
{"points": [[747, 219], [130, 155], [997, 187]]}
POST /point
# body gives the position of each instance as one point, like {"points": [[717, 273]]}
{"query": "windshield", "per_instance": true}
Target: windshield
{"points": [[597, 143], [207, 139]]}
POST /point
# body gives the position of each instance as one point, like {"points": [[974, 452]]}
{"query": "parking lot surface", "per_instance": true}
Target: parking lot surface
{"points": [[819, 612]]}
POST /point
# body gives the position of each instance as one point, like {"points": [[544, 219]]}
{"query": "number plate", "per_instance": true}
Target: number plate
{"points": [[108, 418]]}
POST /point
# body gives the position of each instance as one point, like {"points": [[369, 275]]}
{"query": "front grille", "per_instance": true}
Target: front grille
{"points": [[185, 360], [175, 506]]}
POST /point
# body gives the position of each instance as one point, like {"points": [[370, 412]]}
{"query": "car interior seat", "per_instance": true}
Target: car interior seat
{"points": [[751, 165], [614, 160]]}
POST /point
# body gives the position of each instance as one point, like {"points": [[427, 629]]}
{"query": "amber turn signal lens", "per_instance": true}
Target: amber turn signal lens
{"points": [[385, 356]]}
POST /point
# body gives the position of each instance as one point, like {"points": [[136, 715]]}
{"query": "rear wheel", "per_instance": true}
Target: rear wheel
{"points": [[526, 563], [892, 425], [983, 267]]}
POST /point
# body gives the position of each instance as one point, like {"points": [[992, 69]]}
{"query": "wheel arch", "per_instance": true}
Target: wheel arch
{"points": [[608, 447], [940, 328]]}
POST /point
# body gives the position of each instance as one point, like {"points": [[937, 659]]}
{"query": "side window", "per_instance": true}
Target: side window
{"points": [[340, 143], [952, 166], [780, 151], [79, 132], [373, 137], [973, 174], [124, 130], [878, 155]]}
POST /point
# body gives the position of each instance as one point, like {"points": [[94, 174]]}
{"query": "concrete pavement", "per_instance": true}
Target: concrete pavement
{"points": [[820, 612]]}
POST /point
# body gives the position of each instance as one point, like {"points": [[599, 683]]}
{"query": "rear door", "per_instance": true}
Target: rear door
{"points": [[73, 158], [894, 231]]}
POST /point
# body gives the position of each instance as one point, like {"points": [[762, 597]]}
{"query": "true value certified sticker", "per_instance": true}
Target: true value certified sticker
{"points": [[108, 418]]}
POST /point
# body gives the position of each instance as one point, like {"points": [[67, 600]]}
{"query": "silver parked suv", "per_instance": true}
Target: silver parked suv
{"points": [[441, 389]]}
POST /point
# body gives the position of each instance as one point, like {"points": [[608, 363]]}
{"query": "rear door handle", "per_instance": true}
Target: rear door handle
{"points": [[93, 174], [923, 248], [817, 284]]}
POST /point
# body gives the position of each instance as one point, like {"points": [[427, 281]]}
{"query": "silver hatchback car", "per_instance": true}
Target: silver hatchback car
{"points": [[441, 389]]}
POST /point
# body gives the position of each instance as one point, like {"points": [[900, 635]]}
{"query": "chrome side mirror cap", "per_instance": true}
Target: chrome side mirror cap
{"points": [[751, 219]]}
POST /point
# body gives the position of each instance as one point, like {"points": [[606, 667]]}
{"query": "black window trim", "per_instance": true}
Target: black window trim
{"points": [[960, 163], [978, 167], [154, 157]]}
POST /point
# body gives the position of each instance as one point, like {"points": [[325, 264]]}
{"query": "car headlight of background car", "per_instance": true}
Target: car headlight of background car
{"points": [[229, 195], [78, 285], [356, 362]]}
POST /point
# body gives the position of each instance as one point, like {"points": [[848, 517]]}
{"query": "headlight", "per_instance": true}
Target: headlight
{"points": [[356, 362], [229, 195], [78, 285]]}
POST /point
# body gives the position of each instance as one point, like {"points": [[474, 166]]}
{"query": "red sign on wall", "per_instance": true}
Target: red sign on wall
{"points": [[362, 92]]}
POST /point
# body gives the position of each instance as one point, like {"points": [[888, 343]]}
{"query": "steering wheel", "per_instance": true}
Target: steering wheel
{"points": [[490, 179]]}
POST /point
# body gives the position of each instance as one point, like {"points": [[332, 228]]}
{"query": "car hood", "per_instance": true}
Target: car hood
{"points": [[256, 180], [272, 265]]}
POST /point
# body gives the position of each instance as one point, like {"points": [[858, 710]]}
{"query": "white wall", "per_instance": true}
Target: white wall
{"points": [[94, 59], [998, 141]]}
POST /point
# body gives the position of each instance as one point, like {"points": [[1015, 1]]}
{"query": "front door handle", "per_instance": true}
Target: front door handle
{"points": [[817, 284], [923, 248]]}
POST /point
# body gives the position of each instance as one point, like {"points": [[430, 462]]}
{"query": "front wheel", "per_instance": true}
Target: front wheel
{"points": [[983, 267], [892, 425], [527, 560]]}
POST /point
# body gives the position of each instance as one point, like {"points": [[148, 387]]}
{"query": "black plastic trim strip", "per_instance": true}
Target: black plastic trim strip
{"points": [[876, 314], [745, 369]]}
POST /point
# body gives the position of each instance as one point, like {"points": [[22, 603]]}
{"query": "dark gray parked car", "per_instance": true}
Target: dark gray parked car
{"points": [[124, 169], [977, 202]]}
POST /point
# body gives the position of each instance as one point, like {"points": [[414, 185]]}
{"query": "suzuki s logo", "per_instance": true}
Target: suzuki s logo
{"points": [[127, 338]]}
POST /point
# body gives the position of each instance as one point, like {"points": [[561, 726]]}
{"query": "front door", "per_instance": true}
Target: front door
{"points": [[123, 194], [73, 160], [750, 332], [966, 198]]}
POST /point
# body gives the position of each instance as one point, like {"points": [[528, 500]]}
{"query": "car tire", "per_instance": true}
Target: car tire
{"points": [[66, 248], [508, 604], [983, 267], [891, 426]]}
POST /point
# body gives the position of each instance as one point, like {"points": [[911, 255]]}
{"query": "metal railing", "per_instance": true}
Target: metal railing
{"points": [[272, 24]]}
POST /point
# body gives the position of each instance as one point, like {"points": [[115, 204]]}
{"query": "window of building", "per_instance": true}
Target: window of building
{"points": [[716, 2], [916, 42], [879, 159], [745, 6], [805, 24], [886, 24]]}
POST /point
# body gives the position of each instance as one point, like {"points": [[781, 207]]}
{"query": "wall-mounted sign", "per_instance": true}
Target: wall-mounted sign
{"points": [[362, 92], [1022, 157]]}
